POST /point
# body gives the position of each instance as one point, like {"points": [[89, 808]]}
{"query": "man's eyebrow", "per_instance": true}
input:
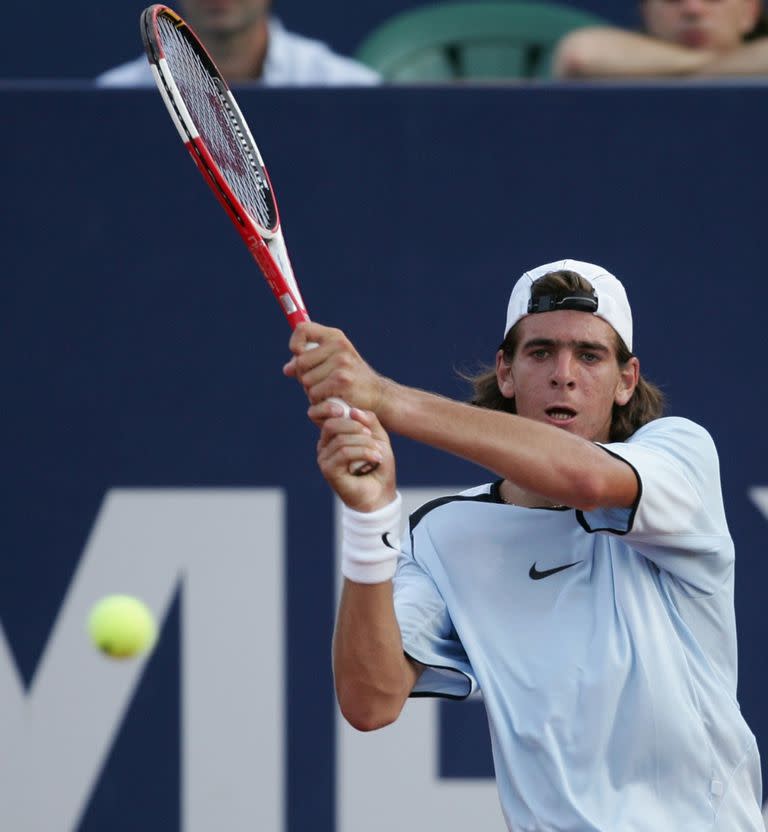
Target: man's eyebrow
{"points": [[592, 346]]}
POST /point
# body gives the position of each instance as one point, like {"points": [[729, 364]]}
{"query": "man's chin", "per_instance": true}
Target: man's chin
{"points": [[216, 25]]}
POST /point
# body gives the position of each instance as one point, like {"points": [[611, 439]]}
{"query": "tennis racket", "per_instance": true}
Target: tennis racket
{"points": [[213, 129]]}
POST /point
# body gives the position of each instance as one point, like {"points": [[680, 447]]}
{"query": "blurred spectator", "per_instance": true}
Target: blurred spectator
{"points": [[248, 44], [681, 38]]}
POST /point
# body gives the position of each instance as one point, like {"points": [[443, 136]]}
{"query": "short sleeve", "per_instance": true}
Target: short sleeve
{"points": [[678, 521], [428, 634]]}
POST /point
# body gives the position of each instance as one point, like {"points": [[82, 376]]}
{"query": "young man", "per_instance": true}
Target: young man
{"points": [[247, 44], [682, 38], [587, 591]]}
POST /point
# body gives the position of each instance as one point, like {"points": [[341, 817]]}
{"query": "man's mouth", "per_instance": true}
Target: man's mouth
{"points": [[560, 414], [694, 38]]}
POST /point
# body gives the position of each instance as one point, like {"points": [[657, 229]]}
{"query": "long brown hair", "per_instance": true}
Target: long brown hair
{"points": [[761, 28], [646, 404]]}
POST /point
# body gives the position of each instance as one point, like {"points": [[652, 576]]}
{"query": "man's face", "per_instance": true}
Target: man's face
{"points": [[565, 373], [223, 17], [719, 25]]}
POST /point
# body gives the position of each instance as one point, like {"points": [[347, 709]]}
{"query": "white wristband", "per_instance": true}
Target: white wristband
{"points": [[368, 538]]}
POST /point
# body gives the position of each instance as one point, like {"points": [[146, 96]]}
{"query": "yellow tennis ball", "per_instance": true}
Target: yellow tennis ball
{"points": [[122, 626]]}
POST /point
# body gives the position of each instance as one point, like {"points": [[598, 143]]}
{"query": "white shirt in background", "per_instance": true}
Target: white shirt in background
{"points": [[291, 60]]}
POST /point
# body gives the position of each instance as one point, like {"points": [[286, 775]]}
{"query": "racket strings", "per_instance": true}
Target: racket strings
{"points": [[219, 125]]}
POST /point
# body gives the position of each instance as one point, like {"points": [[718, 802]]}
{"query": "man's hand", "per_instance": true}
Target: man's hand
{"points": [[358, 438], [332, 368]]}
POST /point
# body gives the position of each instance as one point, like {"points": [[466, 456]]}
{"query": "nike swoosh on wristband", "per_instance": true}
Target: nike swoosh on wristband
{"points": [[537, 576], [387, 543]]}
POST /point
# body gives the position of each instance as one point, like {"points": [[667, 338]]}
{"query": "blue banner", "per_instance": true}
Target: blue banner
{"points": [[151, 443]]}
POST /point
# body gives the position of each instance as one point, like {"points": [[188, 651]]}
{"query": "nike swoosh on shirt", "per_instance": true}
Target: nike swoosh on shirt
{"points": [[537, 576]]}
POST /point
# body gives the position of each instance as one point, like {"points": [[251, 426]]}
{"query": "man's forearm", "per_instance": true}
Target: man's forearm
{"points": [[602, 52], [372, 674], [539, 458]]}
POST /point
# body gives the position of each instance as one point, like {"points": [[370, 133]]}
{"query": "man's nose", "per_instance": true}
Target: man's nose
{"points": [[692, 8], [563, 370]]}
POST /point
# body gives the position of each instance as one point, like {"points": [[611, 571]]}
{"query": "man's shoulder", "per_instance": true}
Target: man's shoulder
{"points": [[478, 494], [672, 427], [135, 73], [674, 438], [298, 59]]}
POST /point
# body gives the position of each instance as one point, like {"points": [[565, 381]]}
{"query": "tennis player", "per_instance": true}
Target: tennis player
{"points": [[587, 591]]}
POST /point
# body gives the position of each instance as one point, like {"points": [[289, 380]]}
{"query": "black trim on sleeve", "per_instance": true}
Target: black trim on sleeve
{"points": [[496, 492], [580, 514], [431, 695], [425, 694]]}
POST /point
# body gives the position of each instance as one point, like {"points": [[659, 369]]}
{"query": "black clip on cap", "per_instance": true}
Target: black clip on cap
{"points": [[580, 301]]}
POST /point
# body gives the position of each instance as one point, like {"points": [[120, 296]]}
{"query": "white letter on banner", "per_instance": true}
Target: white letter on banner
{"points": [[224, 549], [759, 495], [386, 776]]}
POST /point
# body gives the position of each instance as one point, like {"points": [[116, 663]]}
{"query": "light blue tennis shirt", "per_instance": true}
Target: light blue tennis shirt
{"points": [[604, 644]]}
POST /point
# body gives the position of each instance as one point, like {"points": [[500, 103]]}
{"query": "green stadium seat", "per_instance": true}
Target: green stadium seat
{"points": [[479, 41]]}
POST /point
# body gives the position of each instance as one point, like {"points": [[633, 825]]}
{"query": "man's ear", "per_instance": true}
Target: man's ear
{"points": [[504, 376], [629, 375]]}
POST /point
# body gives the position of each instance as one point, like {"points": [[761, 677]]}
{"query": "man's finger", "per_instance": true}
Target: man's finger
{"points": [[289, 368], [326, 409]]}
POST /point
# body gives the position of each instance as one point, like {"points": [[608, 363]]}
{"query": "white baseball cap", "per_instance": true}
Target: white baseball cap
{"points": [[609, 301]]}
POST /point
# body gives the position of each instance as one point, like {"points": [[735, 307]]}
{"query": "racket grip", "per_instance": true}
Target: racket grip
{"points": [[360, 467]]}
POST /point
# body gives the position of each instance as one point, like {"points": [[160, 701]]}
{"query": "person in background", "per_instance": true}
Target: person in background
{"points": [[681, 38], [248, 44]]}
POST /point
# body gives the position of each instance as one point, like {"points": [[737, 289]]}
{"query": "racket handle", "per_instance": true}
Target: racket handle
{"points": [[360, 467]]}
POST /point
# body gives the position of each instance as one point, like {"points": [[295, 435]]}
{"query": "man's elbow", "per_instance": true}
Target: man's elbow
{"points": [[367, 720], [368, 716], [369, 713], [574, 54], [569, 60], [600, 489]]}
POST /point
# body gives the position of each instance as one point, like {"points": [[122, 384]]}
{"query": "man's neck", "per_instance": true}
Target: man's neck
{"points": [[240, 56]]}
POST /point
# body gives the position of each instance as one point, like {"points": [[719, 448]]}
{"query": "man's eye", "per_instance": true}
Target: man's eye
{"points": [[590, 357], [540, 353]]}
